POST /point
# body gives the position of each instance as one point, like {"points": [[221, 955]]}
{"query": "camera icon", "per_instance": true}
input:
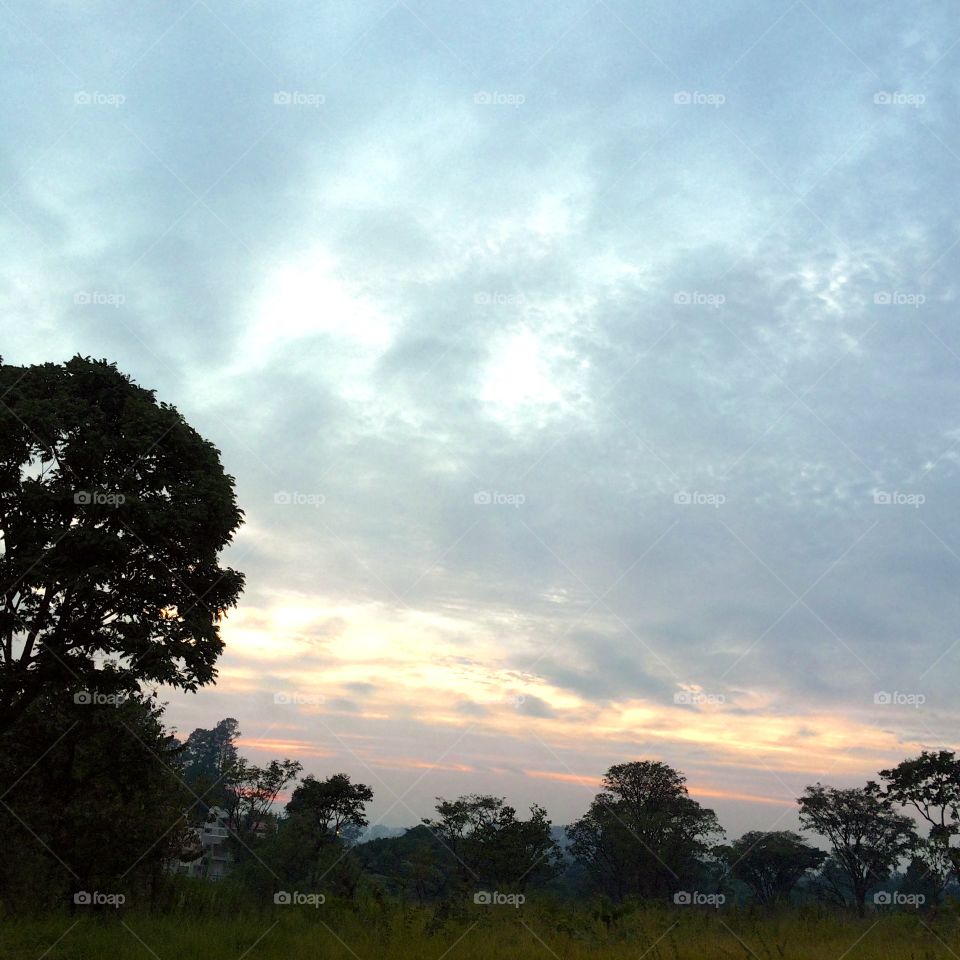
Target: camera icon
{"points": [[482, 96], [882, 97], [81, 97], [682, 898], [82, 898], [482, 497], [282, 698], [482, 299], [882, 496], [682, 97], [83, 697], [282, 496], [882, 898], [83, 497], [282, 898], [483, 897], [882, 297], [82, 298], [681, 297], [282, 98], [682, 497], [882, 698]]}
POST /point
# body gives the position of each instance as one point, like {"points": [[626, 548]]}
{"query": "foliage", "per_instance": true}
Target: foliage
{"points": [[91, 801], [771, 863], [417, 864], [643, 834], [213, 924], [113, 512], [930, 784], [251, 793], [208, 760], [491, 845], [331, 806], [867, 836]]}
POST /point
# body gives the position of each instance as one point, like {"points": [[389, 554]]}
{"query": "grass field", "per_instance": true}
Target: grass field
{"points": [[540, 931]]}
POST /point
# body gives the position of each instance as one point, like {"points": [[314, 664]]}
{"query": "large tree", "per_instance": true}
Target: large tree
{"points": [[113, 513], [930, 784], [491, 845], [867, 835], [771, 862], [643, 834], [208, 760]]}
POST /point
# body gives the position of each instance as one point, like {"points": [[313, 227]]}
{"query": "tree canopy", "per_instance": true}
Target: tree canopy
{"points": [[771, 862], [491, 844], [867, 835], [113, 513], [643, 834], [930, 784]]}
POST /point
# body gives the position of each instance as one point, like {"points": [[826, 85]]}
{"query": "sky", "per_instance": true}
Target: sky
{"points": [[588, 370]]}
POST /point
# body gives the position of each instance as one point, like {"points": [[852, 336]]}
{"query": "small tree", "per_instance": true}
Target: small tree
{"points": [[252, 793], [330, 807], [311, 847], [927, 874], [491, 845], [867, 835], [771, 863]]}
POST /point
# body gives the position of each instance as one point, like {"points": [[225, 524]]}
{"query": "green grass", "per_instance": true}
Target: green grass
{"points": [[533, 931]]}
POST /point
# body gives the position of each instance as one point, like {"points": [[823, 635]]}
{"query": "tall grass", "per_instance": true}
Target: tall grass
{"points": [[468, 932]]}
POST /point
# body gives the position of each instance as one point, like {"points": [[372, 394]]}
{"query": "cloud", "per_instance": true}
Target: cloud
{"points": [[543, 371]]}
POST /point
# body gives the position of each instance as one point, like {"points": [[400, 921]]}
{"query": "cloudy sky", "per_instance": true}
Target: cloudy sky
{"points": [[589, 369]]}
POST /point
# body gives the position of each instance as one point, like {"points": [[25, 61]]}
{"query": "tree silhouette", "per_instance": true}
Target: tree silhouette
{"points": [[113, 512]]}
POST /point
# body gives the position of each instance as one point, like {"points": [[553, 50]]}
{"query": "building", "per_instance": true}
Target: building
{"points": [[211, 843]]}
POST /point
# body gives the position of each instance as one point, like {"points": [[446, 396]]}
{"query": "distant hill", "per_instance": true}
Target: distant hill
{"points": [[380, 831]]}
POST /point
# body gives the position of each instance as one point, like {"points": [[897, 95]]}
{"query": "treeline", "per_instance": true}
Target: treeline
{"points": [[114, 513], [100, 796]]}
